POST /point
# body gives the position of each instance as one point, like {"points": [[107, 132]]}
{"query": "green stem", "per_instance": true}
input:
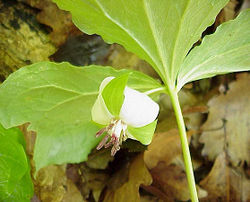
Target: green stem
{"points": [[156, 90], [184, 145]]}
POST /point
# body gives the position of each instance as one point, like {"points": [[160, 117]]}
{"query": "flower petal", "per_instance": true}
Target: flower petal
{"points": [[143, 134], [138, 109], [100, 113], [113, 94]]}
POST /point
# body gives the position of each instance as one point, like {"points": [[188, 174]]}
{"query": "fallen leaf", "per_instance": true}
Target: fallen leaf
{"points": [[228, 123], [245, 5], [59, 20], [228, 12], [72, 194], [52, 185], [148, 198], [120, 58], [129, 191], [91, 181], [170, 183], [225, 183], [30, 138], [99, 159], [165, 147]]}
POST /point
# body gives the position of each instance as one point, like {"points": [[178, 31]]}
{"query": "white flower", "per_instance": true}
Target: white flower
{"points": [[138, 110]]}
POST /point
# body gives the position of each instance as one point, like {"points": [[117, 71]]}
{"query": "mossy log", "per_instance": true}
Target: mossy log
{"points": [[23, 40]]}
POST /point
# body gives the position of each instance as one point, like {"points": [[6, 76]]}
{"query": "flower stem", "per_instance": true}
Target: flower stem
{"points": [[161, 89], [184, 145]]}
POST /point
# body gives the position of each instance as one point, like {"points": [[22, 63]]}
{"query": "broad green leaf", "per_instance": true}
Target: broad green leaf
{"points": [[225, 51], [14, 167], [159, 31], [14, 133], [23, 190], [57, 100], [143, 134], [113, 94]]}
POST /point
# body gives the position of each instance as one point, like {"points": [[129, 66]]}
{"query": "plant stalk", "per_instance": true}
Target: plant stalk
{"points": [[156, 90], [184, 145]]}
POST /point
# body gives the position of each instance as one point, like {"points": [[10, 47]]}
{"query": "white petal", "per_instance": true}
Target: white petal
{"points": [[118, 129], [138, 109], [100, 113]]}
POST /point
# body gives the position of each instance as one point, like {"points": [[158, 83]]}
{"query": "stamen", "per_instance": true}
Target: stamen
{"points": [[103, 142], [108, 144], [116, 131], [114, 149], [103, 130], [110, 126], [112, 141], [100, 132]]}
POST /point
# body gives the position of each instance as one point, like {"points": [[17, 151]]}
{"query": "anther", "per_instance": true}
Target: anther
{"points": [[103, 142]]}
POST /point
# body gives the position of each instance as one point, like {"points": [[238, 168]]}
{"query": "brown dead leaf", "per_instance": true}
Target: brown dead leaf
{"points": [[170, 183], [171, 180], [129, 191], [90, 182], [148, 198], [52, 185], [59, 20], [164, 159], [120, 58], [245, 5], [99, 159], [164, 148], [72, 194], [225, 183], [30, 138], [228, 124], [228, 12]]}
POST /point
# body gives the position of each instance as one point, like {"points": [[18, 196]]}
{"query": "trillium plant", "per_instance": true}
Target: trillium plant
{"points": [[76, 109]]}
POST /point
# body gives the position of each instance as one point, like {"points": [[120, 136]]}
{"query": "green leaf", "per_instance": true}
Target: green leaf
{"points": [[57, 100], [159, 31], [225, 51], [23, 190], [14, 167], [113, 94], [143, 134], [14, 133]]}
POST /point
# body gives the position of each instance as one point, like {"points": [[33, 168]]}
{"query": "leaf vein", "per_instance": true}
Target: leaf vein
{"points": [[209, 59], [130, 35], [163, 62], [176, 39]]}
